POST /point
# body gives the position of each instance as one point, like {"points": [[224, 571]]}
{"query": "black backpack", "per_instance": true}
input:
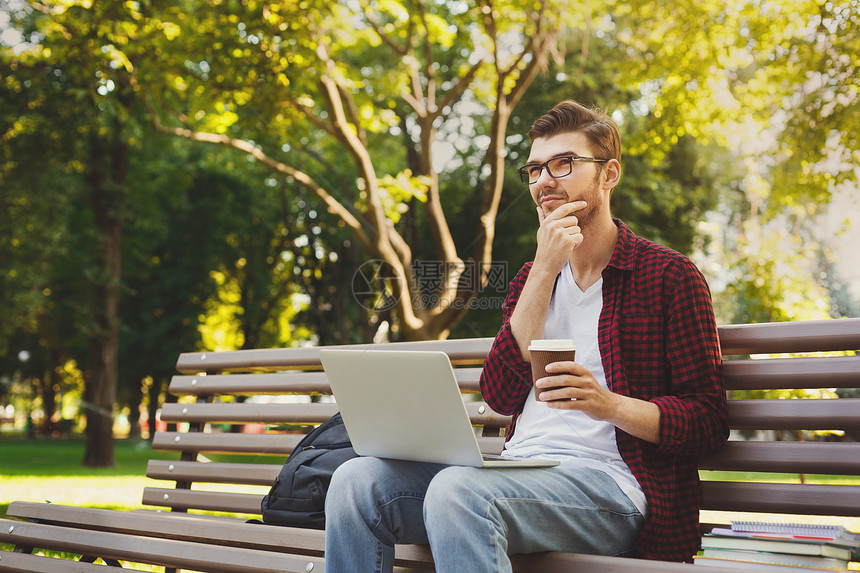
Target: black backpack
{"points": [[297, 497]]}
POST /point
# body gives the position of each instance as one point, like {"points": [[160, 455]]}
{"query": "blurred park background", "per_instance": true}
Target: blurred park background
{"points": [[210, 175]]}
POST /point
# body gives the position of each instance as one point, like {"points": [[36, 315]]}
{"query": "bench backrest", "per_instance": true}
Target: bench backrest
{"points": [[247, 409]]}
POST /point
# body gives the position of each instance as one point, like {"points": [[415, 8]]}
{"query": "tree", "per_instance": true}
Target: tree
{"points": [[375, 92], [423, 61], [172, 243], [66, 66], [775, 84], [808, 111]]}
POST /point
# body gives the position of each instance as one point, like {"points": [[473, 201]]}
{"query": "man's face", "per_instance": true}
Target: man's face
{"points": [[583, 183]]}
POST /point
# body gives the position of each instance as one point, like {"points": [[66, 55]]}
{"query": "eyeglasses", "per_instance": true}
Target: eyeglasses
{"points": [[561, 166]]}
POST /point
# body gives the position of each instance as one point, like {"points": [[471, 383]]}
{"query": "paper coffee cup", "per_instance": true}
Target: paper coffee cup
{"points": [[543, 352]]}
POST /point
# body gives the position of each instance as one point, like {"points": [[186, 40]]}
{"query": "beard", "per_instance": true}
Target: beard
{"points": [[594, 198], [591, 195]]}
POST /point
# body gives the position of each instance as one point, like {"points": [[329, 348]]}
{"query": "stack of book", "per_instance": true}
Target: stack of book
{"points": [[779, 547]]}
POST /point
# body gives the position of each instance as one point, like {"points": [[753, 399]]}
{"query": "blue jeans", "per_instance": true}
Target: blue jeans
{"points": [[473, 518]]}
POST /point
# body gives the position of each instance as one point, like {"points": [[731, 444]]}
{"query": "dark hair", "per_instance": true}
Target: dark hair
{"points": [[595, 124]]}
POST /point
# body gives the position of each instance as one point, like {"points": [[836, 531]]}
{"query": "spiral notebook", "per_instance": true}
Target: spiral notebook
{"points": [[837, 533]]}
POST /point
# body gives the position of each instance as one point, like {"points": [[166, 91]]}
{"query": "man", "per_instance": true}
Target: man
{"points": [[626, 421]]}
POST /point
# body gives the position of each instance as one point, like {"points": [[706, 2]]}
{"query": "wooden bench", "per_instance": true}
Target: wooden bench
{"points": [[284, 390]]}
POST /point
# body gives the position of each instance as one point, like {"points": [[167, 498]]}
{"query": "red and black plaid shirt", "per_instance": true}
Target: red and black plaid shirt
{"points": [[658, 342]]}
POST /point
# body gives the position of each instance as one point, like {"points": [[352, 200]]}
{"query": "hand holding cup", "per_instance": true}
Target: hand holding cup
{"points": [[547, 351]]}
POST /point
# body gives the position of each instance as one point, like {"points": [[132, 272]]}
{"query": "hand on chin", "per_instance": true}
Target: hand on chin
{"points": [[550, 204]]}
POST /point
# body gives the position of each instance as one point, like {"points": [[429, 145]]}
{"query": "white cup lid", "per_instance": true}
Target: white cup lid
{"points": [[553, 344]]}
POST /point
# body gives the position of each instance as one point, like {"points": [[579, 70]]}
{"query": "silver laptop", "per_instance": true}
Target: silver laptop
{"points": [[406, 405]]}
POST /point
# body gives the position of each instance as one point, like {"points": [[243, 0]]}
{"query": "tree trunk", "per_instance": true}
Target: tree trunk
{"points": [[107, 179], [101, 387], [49, 402], [135, 399], [158, 386]]}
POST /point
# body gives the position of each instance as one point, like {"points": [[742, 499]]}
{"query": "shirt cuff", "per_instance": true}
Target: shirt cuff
{"points": [[510, 355]]}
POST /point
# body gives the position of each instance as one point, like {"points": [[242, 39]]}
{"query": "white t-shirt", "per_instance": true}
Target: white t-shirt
{"points": [[567, 434]]}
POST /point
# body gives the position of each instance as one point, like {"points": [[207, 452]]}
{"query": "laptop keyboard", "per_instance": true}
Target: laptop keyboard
{"points": [[496, 458]]}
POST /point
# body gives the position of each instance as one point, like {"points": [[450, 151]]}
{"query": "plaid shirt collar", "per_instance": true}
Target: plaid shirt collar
{"points": [[623, 255]]}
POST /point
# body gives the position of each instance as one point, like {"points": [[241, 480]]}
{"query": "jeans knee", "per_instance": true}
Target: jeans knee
{"points": [[452, 493], [349, 481]]}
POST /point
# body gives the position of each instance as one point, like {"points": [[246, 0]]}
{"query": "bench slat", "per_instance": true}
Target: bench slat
{"points": [[259, 444], [779, 373], [465, 351], [784, 337], [227, 412], [808, 414], [553, 562], [163, 552], [307, 413], [184, 499], [26, 563], [250, 384], [281, 383], [179, 526], [469, 379], [246, 474], [803, 499], [480, 414], [788, 457], [491, 445], [811, 414]]}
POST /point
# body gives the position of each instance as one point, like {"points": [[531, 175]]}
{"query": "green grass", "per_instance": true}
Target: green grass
{"points": [[49, 469], [46, 469], [58, 457]]}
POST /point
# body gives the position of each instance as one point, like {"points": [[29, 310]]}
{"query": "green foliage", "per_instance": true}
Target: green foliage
{"points": [[398, 192], [772, 83], [67, 124], [770, 277], [682, 80]]}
